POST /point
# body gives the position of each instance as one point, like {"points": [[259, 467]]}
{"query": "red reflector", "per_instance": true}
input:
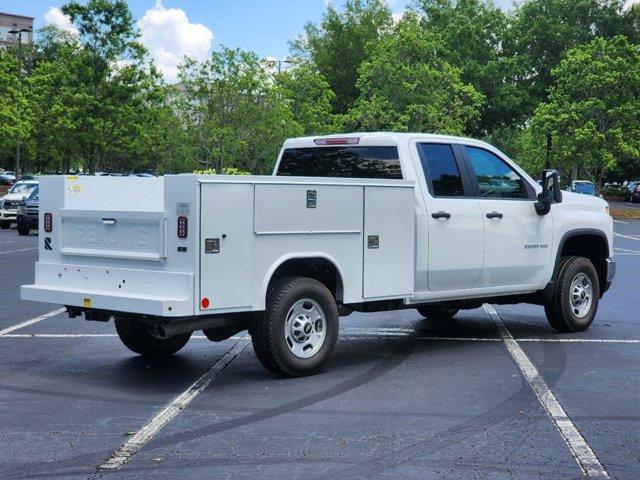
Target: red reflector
{"points": [[183, 227], [48, 222], [205, 302], [337, 141]]}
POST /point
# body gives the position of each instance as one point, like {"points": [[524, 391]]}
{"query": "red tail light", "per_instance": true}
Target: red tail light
{"points": [[337, 141], [183, 227], [48, 222]]}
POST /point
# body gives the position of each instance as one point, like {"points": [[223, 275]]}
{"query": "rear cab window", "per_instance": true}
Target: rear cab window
{"points": [[341, 161], [441, 170]]}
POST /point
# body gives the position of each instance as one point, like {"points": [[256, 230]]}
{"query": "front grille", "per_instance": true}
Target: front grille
{"points": [[9, 205]]}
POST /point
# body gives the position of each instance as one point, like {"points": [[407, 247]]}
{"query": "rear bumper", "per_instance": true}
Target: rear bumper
{"points": [[150, 292]]}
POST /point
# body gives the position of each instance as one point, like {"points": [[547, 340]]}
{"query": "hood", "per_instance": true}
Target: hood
{"points": [[589, 202], [15, 196]]}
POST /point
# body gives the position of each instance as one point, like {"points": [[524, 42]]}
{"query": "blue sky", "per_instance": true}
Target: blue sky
{"points": [[173, 28]]}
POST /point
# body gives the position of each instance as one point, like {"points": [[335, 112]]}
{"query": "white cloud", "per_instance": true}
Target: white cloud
{"points": [[169, 36], [54, 16], [630, 3], [397, 16]]}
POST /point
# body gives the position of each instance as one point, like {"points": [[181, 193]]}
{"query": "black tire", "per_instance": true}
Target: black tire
{"points": [[437, 312], [137, 337], [268, 331], [4, 225], [23, 230], [561, 313]]}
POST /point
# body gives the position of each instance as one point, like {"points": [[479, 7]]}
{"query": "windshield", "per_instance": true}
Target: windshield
{"points": [[24, 188], [34, 193], [585, 188]]}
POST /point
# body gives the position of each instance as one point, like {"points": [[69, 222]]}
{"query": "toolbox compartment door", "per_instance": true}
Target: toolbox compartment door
{"points": [[114, 234], [389, 225], [226, 245]]}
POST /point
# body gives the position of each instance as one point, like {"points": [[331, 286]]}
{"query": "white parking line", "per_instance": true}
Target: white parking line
{"points": [[351, 333], [626, 236], [30, 322], [580, 449], [19, 250], [151, 428], [620, 221]]}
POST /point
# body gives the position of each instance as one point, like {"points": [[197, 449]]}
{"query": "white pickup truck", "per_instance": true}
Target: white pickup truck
{"points": [[358, 222]]}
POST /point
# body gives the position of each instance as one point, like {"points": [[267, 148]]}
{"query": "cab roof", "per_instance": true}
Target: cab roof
{"points": [[371, 138]]}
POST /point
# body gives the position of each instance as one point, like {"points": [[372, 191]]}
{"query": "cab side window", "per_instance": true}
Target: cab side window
{"points": [[495, 178], [441, 170]]}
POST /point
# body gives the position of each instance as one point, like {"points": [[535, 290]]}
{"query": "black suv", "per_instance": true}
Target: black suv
{"points": [[27, 218]]}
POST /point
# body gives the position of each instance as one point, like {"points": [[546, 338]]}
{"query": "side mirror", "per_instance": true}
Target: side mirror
{"points": [[551, 192]]}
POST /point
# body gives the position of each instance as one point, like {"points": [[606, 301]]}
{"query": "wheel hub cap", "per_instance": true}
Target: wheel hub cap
{"points": [[581, 295], [305, 328]]}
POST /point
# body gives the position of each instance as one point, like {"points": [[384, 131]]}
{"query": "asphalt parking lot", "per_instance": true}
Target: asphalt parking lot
{"points": [[403, 397]]}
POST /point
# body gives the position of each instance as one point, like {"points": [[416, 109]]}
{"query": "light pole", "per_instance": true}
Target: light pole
{"points": [[19, 32]]}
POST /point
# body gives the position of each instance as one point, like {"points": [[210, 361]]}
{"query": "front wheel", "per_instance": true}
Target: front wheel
{"points": [[23, 230], [575, 299], [140, 338], [299, 328]]}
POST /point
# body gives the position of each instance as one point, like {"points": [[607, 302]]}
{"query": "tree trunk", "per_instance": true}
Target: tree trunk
{"points": [[547, 163]]}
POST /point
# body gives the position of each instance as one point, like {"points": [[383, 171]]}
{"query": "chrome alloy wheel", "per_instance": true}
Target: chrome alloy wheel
{"points": [[581, 295], [305, 328]]}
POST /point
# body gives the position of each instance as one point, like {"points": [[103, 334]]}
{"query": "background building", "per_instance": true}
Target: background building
{"points": [[11, 22]]}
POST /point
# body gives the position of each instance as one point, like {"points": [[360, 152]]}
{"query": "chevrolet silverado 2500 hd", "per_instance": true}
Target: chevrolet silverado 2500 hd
{"points": [[363, 222]]}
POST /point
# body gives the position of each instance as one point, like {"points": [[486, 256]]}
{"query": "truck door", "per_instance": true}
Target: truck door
{"points": [[518, 241], [455, 225]]}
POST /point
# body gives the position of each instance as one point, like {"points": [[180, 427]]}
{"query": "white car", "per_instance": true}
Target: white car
{"points": [[359, 222], [9, 203]]}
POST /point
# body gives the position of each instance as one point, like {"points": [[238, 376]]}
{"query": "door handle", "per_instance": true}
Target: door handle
{"points": [[441, 215], [109, 221], [494, 215]]}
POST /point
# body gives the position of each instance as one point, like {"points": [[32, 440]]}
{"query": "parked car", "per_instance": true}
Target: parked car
{"points": [[632, 192], [583, 186], [27, 217], [11, 201], [359, 222]]}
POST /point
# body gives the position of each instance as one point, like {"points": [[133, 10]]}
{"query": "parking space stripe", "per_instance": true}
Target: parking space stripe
{"points": [[360, 334], [13, 328], [19, 250], [151, 428], [626, 236], [580, 449]]}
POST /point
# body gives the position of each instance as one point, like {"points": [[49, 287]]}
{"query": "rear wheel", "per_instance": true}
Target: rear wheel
{"points": [[139, 338], [299, 328], [575, 299], [437, 312], [4, 225]]}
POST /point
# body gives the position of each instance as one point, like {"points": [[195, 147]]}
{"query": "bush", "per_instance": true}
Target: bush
{"points": [[613, 191], [225, 171]]}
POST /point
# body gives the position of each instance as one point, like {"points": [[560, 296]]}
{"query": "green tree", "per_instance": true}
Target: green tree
{"points": [[309, 97], [593, 111], [109, 70], [338, 46], [16, 122], [543, 30], [234, 112], [405, 85], [472, 33]]}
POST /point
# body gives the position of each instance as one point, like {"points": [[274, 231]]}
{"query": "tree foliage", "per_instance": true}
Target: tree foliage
{"points": [[405, 85], [339, 45], [549, 81], [593, 111]]}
